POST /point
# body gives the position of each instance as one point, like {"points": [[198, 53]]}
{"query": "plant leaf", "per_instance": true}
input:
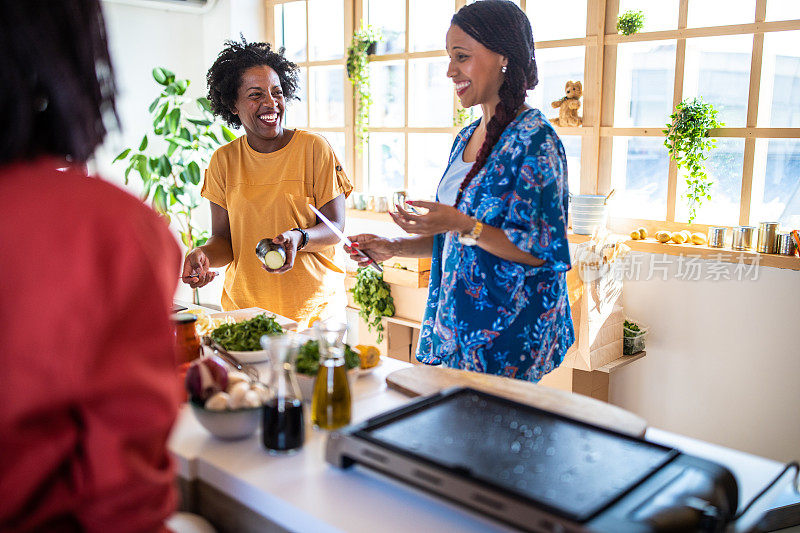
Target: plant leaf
{"points": [[228, 134], [143, 144], [204, 103], [194, 173], [160, 200], [122, 155], [173, 120], [160, 75], [154, 104]]}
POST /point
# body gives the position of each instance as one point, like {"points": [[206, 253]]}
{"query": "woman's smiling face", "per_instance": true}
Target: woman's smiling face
{"points": [[475, 70], [260, 103]]}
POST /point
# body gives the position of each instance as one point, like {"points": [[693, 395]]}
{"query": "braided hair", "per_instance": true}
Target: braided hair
{"points": [[503, 28]]}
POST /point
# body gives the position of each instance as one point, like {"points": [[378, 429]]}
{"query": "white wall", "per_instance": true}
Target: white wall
{"points": [[723, 360]]}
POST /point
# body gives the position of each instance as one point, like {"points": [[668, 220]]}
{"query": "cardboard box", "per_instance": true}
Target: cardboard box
{"points": [[406, 278]]}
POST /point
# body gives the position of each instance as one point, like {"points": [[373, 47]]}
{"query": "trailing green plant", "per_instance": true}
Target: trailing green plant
{"points": [[630, 22], [374, 298], [358, 73], [170, 157], [462, 117], [688, 143]]}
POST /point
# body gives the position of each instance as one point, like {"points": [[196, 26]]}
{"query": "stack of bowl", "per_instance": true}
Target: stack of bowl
{"points": [[588, 213]]}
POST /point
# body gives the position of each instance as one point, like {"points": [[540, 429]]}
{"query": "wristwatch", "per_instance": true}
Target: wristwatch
{"points": [[303, 239], [471, 238]]}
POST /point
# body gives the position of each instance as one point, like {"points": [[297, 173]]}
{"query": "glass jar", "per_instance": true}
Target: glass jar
{"points": [[187, 344], [331, 401], [283, 427]]}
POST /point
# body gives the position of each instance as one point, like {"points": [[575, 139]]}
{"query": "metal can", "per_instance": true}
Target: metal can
{"points": [[743, 237], [785, 244], [767, 232], [716, 236]]}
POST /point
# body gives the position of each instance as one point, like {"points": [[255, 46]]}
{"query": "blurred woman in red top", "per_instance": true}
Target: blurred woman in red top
{"points": [[87, 277]]}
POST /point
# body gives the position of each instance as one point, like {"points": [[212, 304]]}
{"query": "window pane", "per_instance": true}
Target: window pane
{"points": [[564, 19], [783, 10], [645, 80], [336, 140], [639, 172], [556, 66], [326, 29], [724, 168], [427, 159], [430, 93], [718, 69], [386, 162], [572, 146], [297, 110], [779, 102], [290, 29], [390, 17], [387, 83], [429, 20], [327, 96], [715, 13], [661, 15], [778, 174]]}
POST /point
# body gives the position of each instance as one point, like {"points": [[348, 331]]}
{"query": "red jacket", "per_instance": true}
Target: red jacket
{"points": [[87, 369]]}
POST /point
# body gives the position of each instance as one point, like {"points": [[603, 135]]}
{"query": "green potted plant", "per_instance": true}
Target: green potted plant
{"points": [[630, 22], [374, 299], [688, 143], [170, 157], [361, 46]]}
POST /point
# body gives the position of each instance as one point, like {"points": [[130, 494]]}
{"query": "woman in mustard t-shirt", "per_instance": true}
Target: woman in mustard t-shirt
{"points": [[260, 186]]}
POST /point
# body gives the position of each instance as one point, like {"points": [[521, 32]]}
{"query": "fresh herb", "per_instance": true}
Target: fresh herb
{"points": [[630, 22], [374, 298], [687, 141], [631, 329], [308, 358], [358, 73], [245, 336]]}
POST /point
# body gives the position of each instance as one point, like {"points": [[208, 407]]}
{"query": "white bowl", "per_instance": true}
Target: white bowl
{"points": [[228, 425], [587, 199]]}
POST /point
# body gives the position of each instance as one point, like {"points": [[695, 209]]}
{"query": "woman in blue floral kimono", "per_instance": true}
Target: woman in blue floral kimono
{"points": [[497, 300]]}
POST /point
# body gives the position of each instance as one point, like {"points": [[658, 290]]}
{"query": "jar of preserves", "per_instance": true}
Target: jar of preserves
{"points": [[187, 344]]}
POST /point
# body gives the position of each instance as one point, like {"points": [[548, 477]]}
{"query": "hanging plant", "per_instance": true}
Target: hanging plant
{"points": [[462, 117], [688, 143], [374, 299], [630, 22], [361, 46]]}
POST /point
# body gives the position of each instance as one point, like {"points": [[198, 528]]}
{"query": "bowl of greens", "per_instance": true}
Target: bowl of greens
{"points": [[242, 339], [307, 365]]}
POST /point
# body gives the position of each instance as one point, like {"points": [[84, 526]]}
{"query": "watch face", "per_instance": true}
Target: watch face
{"points": [[467, 240]]}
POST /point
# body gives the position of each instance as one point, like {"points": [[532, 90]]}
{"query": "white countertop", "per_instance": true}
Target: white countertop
{"points": [[303, 493]]}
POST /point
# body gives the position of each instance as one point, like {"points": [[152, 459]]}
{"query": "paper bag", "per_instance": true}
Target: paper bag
{"points": [[595, 297]]}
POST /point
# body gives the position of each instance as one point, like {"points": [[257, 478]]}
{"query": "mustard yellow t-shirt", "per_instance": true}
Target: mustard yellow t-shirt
{"points": [[265, 195]]}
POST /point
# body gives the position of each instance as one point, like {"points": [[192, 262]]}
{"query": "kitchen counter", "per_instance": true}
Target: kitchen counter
{"points": [[303, 493]]}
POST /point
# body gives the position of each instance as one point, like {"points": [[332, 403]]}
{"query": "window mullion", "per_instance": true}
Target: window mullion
{"points": [[677, 96], [745, 199], [405, 123]]}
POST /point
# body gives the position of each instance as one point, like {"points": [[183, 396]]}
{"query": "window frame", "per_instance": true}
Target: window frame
{"points": [[599, 79]]}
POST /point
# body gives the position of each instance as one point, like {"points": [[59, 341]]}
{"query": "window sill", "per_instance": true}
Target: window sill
{"points": [[652, 246]]}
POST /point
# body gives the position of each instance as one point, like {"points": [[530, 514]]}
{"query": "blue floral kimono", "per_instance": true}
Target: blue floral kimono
{"points": [[488, 314]]}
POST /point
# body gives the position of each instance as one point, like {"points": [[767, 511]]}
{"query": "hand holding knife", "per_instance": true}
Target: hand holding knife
{"points": [[344, 238]]}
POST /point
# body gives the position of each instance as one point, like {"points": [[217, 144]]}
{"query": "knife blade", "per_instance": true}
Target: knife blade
{"points": [[336, 231]]}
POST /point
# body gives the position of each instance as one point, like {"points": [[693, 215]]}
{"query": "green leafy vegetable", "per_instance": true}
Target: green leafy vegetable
{"points": [[631, 329], [374, 299], [630, 22], [308, 358], [245, 336]]}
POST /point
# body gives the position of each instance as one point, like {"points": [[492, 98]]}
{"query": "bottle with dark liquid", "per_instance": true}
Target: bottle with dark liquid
{"points": [[283, 427], [331, 402]]}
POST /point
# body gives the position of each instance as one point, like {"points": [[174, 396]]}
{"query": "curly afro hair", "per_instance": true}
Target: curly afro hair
{"points": [[225, 75]]}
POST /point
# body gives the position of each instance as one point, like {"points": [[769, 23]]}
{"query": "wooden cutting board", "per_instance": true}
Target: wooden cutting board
{"points": [[421, 380]]}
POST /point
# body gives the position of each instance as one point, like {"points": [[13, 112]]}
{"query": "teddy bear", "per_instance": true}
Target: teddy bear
{"points": [[568, 106]]}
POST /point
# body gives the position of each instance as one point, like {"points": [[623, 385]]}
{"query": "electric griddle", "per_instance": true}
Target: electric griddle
{"points": [[537, 470]]}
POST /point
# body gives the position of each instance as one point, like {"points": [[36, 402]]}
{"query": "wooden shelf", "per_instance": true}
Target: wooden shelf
{"points": [[622, 361]]}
